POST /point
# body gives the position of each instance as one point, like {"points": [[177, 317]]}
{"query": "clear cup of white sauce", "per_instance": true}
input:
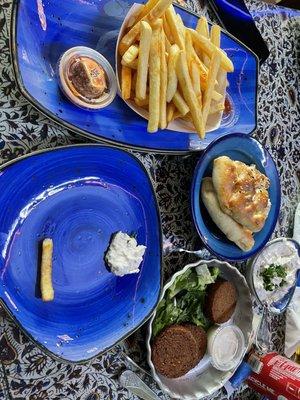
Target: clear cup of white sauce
{"points": [[271, 288], [86, 78], [226, 346]]}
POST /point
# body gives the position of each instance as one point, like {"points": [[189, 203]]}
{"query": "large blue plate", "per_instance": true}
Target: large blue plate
{"points": [[43, 30], [243, 148], [79, 196]]}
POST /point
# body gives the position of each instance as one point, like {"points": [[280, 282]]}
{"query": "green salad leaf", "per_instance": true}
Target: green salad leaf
{"points": [[184, 300]]}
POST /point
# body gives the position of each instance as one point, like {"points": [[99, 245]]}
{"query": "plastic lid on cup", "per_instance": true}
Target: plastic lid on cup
{"points": [[86, 78]]}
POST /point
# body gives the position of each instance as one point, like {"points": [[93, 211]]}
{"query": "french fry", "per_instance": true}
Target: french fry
{"points": [[144, 10], [143, 60], [132, 65], [154, 78], [175, 29], [141, 103], [212, 74], [180, 103], [195, 76], [170, 111], [202, 27], [163, 82], [215, 35], [181, 27], [47, 291], [216, 107], [172, 77], [167, 30], [209, 48], [189, 48], [154, 13], [130, 54], [189, 94], [125, 82]]}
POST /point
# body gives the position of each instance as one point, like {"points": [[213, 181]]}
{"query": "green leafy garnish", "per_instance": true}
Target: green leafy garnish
{"points": [[183, 301], [271, 272]]}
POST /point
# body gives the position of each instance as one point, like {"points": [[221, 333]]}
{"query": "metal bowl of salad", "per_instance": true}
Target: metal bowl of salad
{"points": [[272, 273], [200, 329]]}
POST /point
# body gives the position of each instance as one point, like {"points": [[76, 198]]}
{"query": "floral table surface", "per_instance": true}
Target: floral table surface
{"points": [[28, 373]]}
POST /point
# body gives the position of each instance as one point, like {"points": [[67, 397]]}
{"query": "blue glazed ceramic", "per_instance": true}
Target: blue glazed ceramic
{"points": [[42, 31], [243, 148], [79, 196]]}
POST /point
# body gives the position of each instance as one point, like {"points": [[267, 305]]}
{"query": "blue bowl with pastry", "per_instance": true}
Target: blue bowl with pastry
{"points": [[235, 197]]}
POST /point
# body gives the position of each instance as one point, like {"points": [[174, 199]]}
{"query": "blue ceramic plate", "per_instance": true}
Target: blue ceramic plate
{"points": [[243, 148], [79, 196], [43, 30]]}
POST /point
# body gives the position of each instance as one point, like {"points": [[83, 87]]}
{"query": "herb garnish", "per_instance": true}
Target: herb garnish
{"points": [[271, 272]]}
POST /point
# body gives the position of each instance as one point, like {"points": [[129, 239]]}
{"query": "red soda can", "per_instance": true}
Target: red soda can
{"points": [[274, 376]]}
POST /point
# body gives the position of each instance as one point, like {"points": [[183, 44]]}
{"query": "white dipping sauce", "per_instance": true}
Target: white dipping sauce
{"points": [[124, 255], [283, 253], [226, 346]]}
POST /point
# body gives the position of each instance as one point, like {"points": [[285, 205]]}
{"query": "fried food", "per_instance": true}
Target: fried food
{"points": [[189, 94], [235, 232], [221, 301], [186, 74], [242, 192], [47, 291], [143, 60], [154, 78]]}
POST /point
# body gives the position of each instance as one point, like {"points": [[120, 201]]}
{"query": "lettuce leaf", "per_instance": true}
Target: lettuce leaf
{"points": [[184, 300]]}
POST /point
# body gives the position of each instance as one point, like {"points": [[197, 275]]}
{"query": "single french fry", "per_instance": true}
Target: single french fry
{"points": [[172, 77], [130, 54], [202, 27], [212, 74], [209, 48], [143, 60], [163, 82], [167, 30], [180, 103], [195, 76], [125, 82], [181, 27], [154, 78], [189, 94], [215, 35], [144, 10], [216, 107], [154, 13], [175, 29], [47, 291], [189, 48], [168, 45], [132, 65], [141, 103], [170, 111]]}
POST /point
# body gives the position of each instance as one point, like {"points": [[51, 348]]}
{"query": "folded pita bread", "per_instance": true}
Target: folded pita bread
{"points": [[242, 192], [235, 232]]}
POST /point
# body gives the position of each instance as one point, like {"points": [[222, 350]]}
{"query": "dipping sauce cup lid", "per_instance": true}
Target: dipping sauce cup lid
{"points": [[226, 345], [86, 78]]}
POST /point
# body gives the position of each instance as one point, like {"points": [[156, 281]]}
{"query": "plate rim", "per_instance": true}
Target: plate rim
{"points": [[247, 255], [149, 314], [66, 125]]}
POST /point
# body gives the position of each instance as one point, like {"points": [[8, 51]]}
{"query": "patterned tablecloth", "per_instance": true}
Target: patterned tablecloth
{"points": [[28, 373]]}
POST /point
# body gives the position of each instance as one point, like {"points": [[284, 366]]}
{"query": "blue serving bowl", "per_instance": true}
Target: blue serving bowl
{"points": [[78, 196], [43, 30], [243, 148]]}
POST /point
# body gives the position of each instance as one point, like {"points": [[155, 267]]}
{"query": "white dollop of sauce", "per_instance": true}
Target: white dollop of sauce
{"points": [[124, 255], [226, 346], [280, 253]]}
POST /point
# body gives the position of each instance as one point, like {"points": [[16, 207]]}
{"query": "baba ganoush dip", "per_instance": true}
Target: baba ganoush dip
{"points": [[124, 255], [274, 270]]}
